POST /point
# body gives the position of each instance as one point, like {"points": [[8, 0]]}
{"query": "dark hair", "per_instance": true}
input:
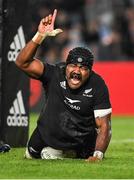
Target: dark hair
{"points": [[81, 55]]}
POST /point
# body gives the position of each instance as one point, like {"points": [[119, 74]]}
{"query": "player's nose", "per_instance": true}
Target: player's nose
{"points": [[77, 69]]}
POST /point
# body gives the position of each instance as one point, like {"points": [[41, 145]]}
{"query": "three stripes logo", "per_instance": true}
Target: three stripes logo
{"points": [[17, 112], [17, 44], [63, 84]]}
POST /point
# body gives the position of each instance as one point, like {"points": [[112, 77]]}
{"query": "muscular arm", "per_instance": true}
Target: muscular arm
{"points": [[104, 135], [25, 60], [104, 132]]}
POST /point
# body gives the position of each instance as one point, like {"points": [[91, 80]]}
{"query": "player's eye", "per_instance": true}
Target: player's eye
{"points": [[85, 68], [72, 65]]}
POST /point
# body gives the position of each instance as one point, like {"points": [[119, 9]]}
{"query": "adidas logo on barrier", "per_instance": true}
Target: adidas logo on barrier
{"points": [[17, 112], [16, 45]]}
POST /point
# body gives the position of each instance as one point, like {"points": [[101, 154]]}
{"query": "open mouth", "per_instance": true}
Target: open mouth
{"points": [[75, 78]]}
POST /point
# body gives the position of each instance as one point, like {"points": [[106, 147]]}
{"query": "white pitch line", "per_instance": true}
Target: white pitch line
{"points": [[123, 141]]}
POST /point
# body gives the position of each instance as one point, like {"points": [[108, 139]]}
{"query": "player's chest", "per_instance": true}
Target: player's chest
{"points": [[80, 101]]}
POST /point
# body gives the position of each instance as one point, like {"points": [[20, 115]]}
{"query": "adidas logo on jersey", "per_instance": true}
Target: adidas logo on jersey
{"points": [[63, 84], [17, 112], [17, 44]]}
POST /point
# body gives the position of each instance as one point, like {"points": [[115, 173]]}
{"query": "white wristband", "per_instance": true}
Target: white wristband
{"points": [[38, 37], [98, 154]]}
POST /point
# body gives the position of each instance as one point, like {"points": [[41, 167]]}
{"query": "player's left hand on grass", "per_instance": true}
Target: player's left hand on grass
{"points": [[93, 159]]}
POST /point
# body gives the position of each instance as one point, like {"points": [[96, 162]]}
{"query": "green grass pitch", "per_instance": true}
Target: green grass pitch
{"points": [[118, 163]]}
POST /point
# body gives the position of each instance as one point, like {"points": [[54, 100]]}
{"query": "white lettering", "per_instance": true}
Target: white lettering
{"points": [[72, 106], [17, 120], [12, 55]]}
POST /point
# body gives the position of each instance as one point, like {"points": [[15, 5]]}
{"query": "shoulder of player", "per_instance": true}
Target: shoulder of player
{"points": [[57, 68], [96, 78], [48, 67], [60, 67], [97, 81], [51, 68]]}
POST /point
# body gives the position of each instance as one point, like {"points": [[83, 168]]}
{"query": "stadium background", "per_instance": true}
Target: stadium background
{"points": [[106, 27]]}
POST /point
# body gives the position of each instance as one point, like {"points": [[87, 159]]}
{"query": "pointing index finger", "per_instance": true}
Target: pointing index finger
{"points": [[54, 16]]}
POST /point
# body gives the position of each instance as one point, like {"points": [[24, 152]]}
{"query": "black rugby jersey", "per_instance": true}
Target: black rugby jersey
{"points": [[67, 119]]}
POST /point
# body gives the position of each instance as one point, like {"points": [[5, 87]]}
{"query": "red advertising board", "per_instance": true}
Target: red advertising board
{"points": [[119, 77]]}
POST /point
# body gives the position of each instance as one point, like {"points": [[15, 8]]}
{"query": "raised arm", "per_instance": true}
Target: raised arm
{"points": [[25, 60], [103, 137]]}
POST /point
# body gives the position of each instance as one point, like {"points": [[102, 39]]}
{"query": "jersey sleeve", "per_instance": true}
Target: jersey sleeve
{"points": [[101, 96], [102, 105], [47, 73]]}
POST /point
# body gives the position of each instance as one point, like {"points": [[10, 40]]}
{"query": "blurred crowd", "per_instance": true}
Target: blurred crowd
{"points": [[105, 26]]}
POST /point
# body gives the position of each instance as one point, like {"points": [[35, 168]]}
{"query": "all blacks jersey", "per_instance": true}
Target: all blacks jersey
{"points": [[67, 119]]}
